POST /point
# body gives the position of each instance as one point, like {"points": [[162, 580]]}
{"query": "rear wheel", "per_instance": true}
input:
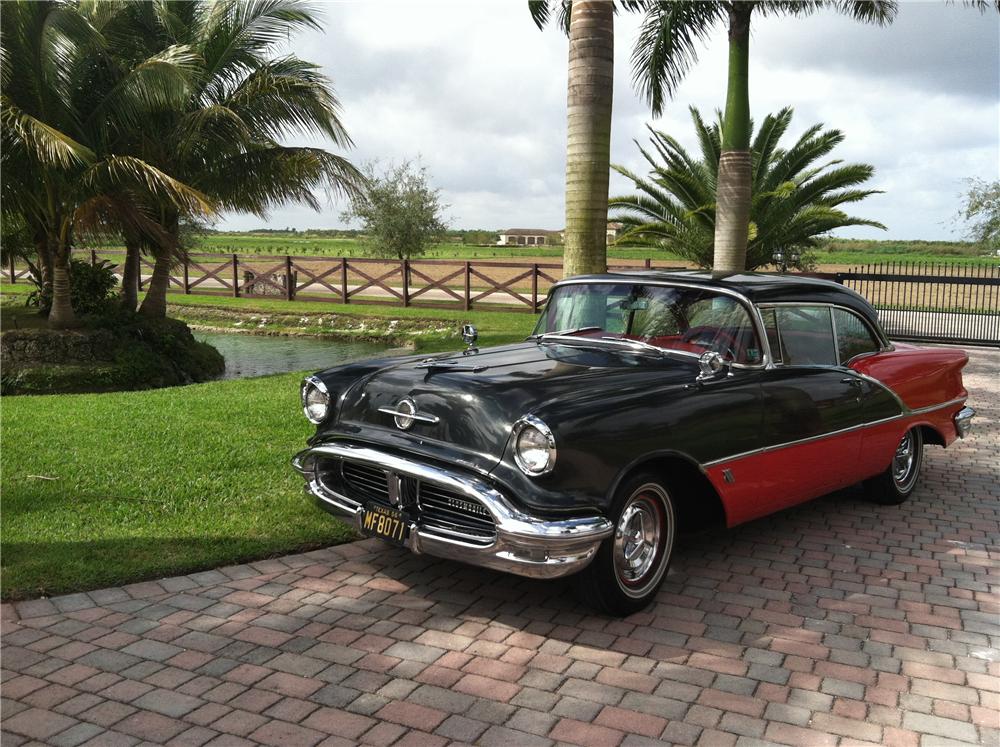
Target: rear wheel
{"points": [[894, 486], [631, 564]]}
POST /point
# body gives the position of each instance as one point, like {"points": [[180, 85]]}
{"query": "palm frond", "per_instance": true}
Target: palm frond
{"points": [[667, 46], [710, 141], [237, 35], [50, 147], [794, 199], [286, 96], [159, 82], [879, 12], [278, 175], [116, 173]]}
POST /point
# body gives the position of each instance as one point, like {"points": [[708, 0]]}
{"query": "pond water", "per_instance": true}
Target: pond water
{"points": [[259, 355]]}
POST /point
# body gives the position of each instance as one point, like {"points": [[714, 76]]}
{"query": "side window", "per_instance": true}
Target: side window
{"points": [[805, 334], [853, 336]]}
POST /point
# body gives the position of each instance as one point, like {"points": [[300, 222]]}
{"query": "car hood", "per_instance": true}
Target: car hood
{"points": [[476, 398]]}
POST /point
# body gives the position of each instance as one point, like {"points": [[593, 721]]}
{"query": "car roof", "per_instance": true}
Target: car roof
{"points": [[757, 287]]}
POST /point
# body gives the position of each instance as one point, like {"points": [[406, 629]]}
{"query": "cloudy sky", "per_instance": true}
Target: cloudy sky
{"points": [[479, 94]]}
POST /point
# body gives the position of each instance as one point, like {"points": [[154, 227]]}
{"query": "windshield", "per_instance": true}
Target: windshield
{"points": [[686, 320]]}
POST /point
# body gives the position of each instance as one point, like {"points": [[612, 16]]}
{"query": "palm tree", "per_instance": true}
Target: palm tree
{"points": [[63, 102], [224, 139], [667, 48], [796, 197], [590, 26]]}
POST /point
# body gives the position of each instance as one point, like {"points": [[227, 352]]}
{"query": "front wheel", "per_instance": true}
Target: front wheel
{"points": [[894, 486], [630, 565]]}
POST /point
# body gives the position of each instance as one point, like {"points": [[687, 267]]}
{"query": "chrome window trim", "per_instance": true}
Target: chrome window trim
{"points": [[883, 341], [751, 308]]}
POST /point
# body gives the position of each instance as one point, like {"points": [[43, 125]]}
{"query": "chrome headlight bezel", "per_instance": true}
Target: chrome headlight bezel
{"points": [[531, 422], [309, 384]]}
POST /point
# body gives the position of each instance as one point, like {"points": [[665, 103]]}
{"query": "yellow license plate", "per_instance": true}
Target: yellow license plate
{"points": [[384, 522]]}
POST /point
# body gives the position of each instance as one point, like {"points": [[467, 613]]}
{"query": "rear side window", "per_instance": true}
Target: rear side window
{"points": [[806, 335], [816, 335], [854, 337]]}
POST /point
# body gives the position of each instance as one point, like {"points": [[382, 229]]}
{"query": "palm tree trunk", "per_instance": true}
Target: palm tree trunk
{"points": [[155, 303], [44, 261], [588, 146], [732, 218], [130, 274], [61, 316]]}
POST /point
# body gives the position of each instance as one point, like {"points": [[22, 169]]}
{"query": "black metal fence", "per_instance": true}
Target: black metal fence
{"points": [[932, 301]]}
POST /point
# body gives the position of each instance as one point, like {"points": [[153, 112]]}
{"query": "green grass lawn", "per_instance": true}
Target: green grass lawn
{"points": [[148, 484], [105, 489]]}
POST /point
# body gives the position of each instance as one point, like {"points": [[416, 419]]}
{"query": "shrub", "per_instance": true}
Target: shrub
{"points": [[92, 289]]}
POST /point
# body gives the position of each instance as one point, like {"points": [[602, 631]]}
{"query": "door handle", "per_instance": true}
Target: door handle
{"points": [[851, 380]]}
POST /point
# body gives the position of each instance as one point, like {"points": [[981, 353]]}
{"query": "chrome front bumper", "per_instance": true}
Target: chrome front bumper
{"points": [[525, 545], [963, 421]]}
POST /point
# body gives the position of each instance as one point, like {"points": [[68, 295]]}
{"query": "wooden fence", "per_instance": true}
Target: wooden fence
{"points": [[431, 283], [933, 302]]}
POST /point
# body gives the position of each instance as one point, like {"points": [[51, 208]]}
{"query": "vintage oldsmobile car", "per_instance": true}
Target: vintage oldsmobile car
{"points": [[644, 404]]}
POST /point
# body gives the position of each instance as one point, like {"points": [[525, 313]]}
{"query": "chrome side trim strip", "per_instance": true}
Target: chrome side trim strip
{"points": [[932, 408], [775, 447], [432, 419]]}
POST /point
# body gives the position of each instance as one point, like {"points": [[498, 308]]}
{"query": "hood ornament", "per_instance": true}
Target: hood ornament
{"points": [[405, 414], [469, 336]]}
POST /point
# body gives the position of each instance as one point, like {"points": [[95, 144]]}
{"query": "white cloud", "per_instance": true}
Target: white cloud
{"points": [[479, 95]]}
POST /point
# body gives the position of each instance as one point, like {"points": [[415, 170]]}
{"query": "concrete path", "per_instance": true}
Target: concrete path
{"points": [[835, 623]]}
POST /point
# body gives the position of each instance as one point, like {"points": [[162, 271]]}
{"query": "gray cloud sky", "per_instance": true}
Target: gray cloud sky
{"points": [[479, 94]]}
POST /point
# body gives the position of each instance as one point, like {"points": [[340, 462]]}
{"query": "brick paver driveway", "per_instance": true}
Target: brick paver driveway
{"points": [[837, 622]]}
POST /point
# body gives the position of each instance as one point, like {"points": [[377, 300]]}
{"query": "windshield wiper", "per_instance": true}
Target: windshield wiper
{"points": [[562, 333], [646, 346]]}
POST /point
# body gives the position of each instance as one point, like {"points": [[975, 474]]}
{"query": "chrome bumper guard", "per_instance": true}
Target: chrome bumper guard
{"points": [[525, 545], [963, 421]]}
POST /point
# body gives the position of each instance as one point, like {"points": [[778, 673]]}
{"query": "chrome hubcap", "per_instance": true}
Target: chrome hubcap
{"points": [[904, 461], [643, 538], [636, 541]]}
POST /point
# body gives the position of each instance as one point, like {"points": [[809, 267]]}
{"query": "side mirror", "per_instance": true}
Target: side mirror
{"points": [[710, 365], [469, 336]]}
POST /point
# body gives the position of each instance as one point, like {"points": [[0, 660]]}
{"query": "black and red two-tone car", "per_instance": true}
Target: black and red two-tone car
{"points": [[644, 404]]}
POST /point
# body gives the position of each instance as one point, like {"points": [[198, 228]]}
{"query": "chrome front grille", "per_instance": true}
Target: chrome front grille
{"points": [[370, 483], [454, 514], [434, 507]]}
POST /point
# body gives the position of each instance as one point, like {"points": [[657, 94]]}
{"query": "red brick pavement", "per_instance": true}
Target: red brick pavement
{"points": [[835, 623]]}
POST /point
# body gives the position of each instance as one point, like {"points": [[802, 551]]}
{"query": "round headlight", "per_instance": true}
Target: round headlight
{"points": [[315, 400], [534, 446]]}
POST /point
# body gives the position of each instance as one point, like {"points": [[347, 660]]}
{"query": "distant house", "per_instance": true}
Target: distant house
{"points": [[541, 237], [526, 237]]}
